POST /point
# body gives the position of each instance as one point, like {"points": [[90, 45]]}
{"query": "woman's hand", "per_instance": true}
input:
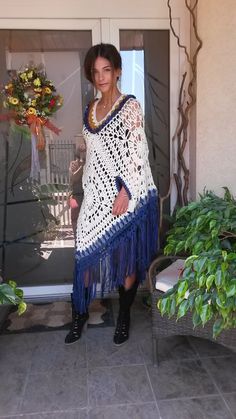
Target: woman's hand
{"points": [[121, 203], [75, 166]]}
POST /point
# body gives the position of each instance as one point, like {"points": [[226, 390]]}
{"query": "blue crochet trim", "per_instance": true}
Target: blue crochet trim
{"points": [[119, 183], [128, 247], [108, 119]]}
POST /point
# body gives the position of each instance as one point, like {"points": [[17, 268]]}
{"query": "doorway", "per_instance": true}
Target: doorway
{"points": [[37, 245]]}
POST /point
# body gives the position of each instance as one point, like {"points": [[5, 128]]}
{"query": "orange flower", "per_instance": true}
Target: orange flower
{"points": [[9, 86]]}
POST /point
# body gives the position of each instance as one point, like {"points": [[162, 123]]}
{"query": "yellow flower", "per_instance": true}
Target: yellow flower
{"points": [[15, 101], [23, 76], [30, 74], [48, 90], [37, 82], [38, 89], [31, 111], [33, 102]]}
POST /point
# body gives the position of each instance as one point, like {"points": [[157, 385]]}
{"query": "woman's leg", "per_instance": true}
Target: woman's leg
{"points": [[74, 213], [126, 298], [129, 281]]}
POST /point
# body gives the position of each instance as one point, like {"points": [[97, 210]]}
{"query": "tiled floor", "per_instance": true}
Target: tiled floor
{"points": [[41, 378]]}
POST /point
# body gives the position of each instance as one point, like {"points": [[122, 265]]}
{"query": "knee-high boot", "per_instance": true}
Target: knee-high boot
{"points": [[78, 323], [126, 299]]}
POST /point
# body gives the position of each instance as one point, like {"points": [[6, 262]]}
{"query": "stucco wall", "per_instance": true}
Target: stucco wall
{"points": [[216, 96], [89, 9]]}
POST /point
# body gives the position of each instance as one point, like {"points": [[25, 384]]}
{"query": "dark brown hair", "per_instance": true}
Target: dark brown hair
{"points": [[107, 51]]}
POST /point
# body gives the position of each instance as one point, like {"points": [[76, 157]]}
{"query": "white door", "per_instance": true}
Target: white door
{"points": [[37, 249]]}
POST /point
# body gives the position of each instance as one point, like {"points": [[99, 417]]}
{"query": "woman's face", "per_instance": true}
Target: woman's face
{"points": [[104, 75]]}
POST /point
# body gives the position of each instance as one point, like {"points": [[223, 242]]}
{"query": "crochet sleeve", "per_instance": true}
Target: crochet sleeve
{"points": [[133, 152]]}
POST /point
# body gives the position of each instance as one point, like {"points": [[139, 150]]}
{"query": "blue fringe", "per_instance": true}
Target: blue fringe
{"points": [[128, 247]]}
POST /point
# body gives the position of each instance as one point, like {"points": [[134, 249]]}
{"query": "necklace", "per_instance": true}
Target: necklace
{"points": [[104, 106]]}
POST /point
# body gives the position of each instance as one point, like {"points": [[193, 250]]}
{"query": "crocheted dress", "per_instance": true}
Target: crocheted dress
{"points": [[109, 247]]}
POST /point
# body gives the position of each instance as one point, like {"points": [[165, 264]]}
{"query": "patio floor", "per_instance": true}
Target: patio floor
{"points": [[41, 378]]}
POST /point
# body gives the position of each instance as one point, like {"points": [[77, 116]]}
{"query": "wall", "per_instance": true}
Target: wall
{"points": [[192, 123], [216, 96], [89, 9]]}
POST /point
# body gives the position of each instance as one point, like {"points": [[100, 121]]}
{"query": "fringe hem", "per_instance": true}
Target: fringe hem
{"points": [[126, 249]]}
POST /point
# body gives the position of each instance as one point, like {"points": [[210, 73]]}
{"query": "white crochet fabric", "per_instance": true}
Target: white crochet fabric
{"points": [[116, 155], [109, 247]]}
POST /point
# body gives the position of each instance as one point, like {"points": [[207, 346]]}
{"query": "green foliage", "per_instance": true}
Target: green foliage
{"points": [[205, 231], [206, 225], [10, 294]]}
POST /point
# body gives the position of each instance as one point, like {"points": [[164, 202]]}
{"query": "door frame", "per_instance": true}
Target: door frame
{"points": [[58, 24]]}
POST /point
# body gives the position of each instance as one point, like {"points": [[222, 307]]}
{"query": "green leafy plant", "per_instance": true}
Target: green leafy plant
{"points": [[206, 232], [10, 294]]}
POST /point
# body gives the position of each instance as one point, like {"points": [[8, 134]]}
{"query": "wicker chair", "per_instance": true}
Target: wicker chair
{"points": [[164, 327]]}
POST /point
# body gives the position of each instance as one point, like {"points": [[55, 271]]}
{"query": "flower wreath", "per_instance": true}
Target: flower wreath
{"points": [[31, 99], [31, 93]]}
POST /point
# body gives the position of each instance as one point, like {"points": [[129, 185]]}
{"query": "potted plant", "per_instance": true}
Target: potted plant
{"points": [[205, 231], [10, 294]]}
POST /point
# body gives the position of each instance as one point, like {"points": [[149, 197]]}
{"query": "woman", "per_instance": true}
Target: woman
{"points": [[117, 224]]}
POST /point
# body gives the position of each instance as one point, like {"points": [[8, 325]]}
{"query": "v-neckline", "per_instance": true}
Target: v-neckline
{"points": [[94, 110], [91, 124]]}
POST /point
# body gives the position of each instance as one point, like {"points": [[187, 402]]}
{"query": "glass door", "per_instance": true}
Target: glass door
{"points": [[151, 72], [36, 237], [145, 57]]}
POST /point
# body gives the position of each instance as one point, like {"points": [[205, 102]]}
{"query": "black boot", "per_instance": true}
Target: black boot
{"points": [[78, 322], [123, 322]]}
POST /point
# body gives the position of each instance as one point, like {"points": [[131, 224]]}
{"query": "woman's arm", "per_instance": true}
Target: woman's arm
{"points": [[133, 155]]}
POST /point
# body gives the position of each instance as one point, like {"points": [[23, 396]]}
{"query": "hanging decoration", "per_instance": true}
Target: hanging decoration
{"points": [[31, 99]]}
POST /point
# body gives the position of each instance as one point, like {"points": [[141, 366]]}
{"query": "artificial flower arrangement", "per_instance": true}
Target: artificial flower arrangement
{"points": [[31, 99]]}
